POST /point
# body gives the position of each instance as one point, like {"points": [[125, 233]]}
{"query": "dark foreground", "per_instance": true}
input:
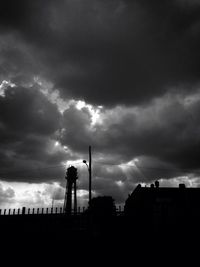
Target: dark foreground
{"points": [[91, 241]]}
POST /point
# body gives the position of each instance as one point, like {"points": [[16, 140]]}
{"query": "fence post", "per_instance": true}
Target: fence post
{"points": [[4, 211], [28, 210], [47, 210], [33, 211], [51, 210], [23, 211], [60, 209], [42, 210], [13, 211], [38, 211], [18, 211], [0, 211], [9, 212]]}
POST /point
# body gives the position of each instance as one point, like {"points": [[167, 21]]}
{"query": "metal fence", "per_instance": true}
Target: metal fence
{"points": [[54, 210]]}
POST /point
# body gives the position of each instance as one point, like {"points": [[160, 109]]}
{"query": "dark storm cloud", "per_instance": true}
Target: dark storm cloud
{"points": [[28, 127], [109, 52], [25, 110], [133, 55], [76, 126]]}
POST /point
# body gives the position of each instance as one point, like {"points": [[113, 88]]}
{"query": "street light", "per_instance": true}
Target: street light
{"points": [[85, 161], [90, 173]]}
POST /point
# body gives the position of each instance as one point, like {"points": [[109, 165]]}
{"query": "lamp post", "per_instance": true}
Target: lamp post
{"points": [[90, 173]]}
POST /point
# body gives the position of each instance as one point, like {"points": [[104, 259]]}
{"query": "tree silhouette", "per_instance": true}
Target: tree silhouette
{"points": [[102, 206]]}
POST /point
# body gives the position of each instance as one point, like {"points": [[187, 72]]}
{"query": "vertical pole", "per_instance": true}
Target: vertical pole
{"points": [[65, 201], [23, 211], [90, 175]]}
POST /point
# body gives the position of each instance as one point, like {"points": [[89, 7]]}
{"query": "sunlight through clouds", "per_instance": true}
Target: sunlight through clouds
{"points": [[105, 74], [94, 111], [4, 85]]}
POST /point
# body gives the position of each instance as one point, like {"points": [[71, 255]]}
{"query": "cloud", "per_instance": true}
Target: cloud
{"points": [[104, 52], [77, 128], [30, 195], [28, 105], [166, 129], [29, 125], [130, 144], [186, 3], [6, 194]]}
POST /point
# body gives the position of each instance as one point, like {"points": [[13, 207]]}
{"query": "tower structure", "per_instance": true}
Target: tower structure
{"points": [[71, 177]]}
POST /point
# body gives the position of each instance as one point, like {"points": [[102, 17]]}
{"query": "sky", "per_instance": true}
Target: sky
{"points": [[122, 76]]}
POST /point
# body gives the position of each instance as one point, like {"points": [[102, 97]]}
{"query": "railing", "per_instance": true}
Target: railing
{"points": [[36, 211], [55, 210]]}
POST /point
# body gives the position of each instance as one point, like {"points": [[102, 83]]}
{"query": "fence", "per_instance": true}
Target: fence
{"points": [[55, 210]]}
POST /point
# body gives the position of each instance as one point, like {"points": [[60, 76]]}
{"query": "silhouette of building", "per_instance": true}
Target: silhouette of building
{"points": [[163, 207]]}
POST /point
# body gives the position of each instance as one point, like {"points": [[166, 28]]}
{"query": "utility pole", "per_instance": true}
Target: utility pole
{"points": [[90, 175]]}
